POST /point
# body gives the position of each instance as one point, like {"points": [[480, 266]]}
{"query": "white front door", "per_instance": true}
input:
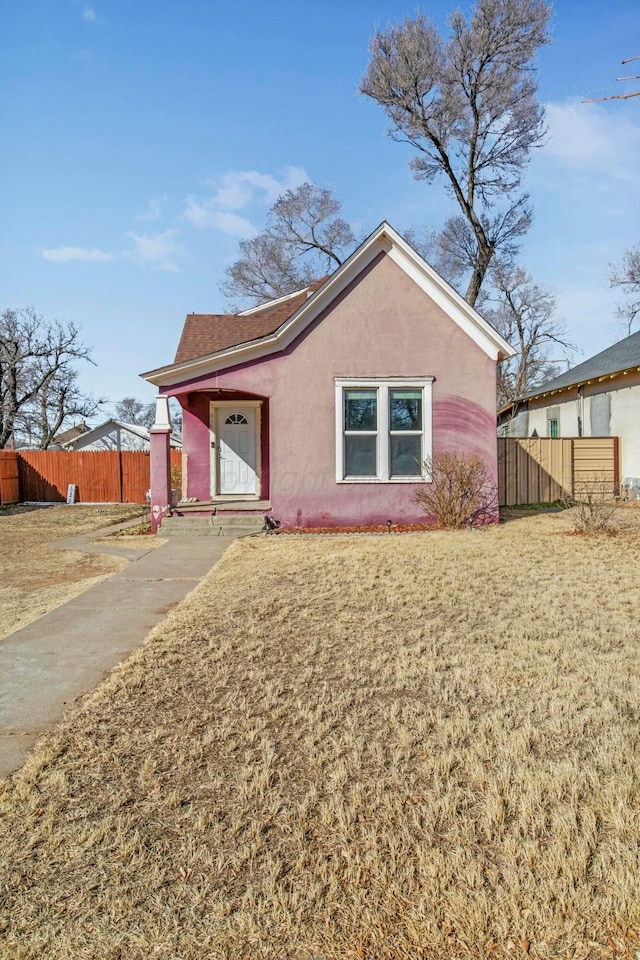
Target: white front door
{"points": [[236, 449]]}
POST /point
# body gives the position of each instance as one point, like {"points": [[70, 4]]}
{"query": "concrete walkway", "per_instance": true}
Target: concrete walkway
{"points": [[48, 664]]}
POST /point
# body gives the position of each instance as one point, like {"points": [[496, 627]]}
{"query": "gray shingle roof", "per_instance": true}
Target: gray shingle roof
{"points": [[621, 356]]}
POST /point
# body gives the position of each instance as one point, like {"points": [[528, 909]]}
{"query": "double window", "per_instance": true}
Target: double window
{"points": [[383, 429]]}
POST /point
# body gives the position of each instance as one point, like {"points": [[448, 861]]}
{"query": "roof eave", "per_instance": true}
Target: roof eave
{"points": [[583, 382], [388, 239]]}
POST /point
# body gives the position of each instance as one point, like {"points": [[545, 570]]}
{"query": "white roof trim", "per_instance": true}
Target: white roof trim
{"points": [[384, 238], [272, 303]]}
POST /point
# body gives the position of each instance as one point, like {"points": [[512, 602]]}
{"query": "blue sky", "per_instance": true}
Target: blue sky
{"points": [[141, 140]]}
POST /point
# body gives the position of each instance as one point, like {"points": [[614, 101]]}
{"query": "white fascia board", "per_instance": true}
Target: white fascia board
{"points": [[133, 428], [383, 239], [578, 383], [268, 304], [449, 299], [290, 329]]}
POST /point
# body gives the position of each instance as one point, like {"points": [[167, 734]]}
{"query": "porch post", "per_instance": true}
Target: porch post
{"points": [[160, 463]]}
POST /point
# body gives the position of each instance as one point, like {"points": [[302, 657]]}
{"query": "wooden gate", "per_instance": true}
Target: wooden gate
{"points": [[9, 483]]}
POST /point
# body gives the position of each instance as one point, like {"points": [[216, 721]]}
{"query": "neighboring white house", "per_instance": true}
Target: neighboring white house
{"points": [[598, 398], [114, 435]]}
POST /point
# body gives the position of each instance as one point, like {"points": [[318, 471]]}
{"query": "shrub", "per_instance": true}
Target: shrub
{"points": [[593, 507], [460, 490]]}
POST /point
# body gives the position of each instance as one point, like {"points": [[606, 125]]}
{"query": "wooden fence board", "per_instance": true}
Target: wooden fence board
{"points": [[101, 476], [544, 469], [9, 480]]}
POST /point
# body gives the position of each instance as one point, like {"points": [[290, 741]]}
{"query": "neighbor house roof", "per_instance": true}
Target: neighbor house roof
{"points": [[623, 355], [206, 333], [274, 326], [111, 426], [75, 431]]}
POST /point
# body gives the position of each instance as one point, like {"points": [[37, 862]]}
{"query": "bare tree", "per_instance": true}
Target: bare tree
{"points": [[524, 314], [59, 400], [130, 410], [304, 239], [468, 106], [175, 411], [38, 381], [626, 276]]}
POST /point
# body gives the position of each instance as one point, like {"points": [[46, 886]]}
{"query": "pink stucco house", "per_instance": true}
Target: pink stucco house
{"points": [[317, 408]]}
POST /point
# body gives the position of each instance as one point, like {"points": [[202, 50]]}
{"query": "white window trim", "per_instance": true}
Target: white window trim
{"points": [[382, 385]]}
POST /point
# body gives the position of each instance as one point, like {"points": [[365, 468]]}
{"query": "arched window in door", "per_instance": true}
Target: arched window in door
{"points": [[236, 418]]}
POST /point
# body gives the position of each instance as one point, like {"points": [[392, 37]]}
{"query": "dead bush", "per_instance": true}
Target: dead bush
{"points": [[459, 490], [593, 507]]}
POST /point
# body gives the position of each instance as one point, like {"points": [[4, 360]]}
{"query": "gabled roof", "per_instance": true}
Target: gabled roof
{"points": [[75, 431], [308, 303], [206, 333], [109, 426], [622, 356]]}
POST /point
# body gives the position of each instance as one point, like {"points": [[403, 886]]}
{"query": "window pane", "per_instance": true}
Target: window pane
{"points": [[553, 428], [361, 409], [405, 409], [360, 456], [406, 453]]}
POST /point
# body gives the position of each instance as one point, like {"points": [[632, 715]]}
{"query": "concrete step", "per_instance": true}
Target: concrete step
{"points": [[223, 506], [214, 526]]}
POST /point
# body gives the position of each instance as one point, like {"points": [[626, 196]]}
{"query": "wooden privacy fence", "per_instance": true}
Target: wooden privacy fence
{"points": [[537, 470], [100, 476], [542, 469]]}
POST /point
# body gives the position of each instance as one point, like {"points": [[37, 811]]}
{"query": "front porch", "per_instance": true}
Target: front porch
{"points": [[225, 457]]}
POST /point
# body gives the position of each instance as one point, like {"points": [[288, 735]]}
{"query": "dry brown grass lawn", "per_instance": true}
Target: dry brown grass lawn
{"points": [[36, 577], [420, 746]]}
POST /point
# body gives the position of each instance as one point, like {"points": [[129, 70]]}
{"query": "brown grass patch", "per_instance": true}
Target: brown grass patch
{"points": [[139, 530], [140, 542], [36, 577], [363, 748]]}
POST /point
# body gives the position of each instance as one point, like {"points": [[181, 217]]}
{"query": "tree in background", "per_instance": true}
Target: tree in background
{"points": [[626, 277], [39, 391], [523, 313], [130, 410], [304, 239], [468, 106]]}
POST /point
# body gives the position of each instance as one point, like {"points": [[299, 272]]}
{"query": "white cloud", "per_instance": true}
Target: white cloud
{"points": [[155, 250], [204, 214], [591, 138], [154, 208], [89, 14], [66, 254], [238, 190]]}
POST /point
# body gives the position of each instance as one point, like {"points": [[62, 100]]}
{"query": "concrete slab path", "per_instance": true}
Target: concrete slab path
{"points": [[48, 664]]}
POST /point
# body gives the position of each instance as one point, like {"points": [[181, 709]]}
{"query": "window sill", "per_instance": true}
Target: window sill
{"points": [[381, 482]]}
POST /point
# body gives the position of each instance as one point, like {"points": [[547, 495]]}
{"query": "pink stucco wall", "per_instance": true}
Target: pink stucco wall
{"points": [[384, 325]]}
